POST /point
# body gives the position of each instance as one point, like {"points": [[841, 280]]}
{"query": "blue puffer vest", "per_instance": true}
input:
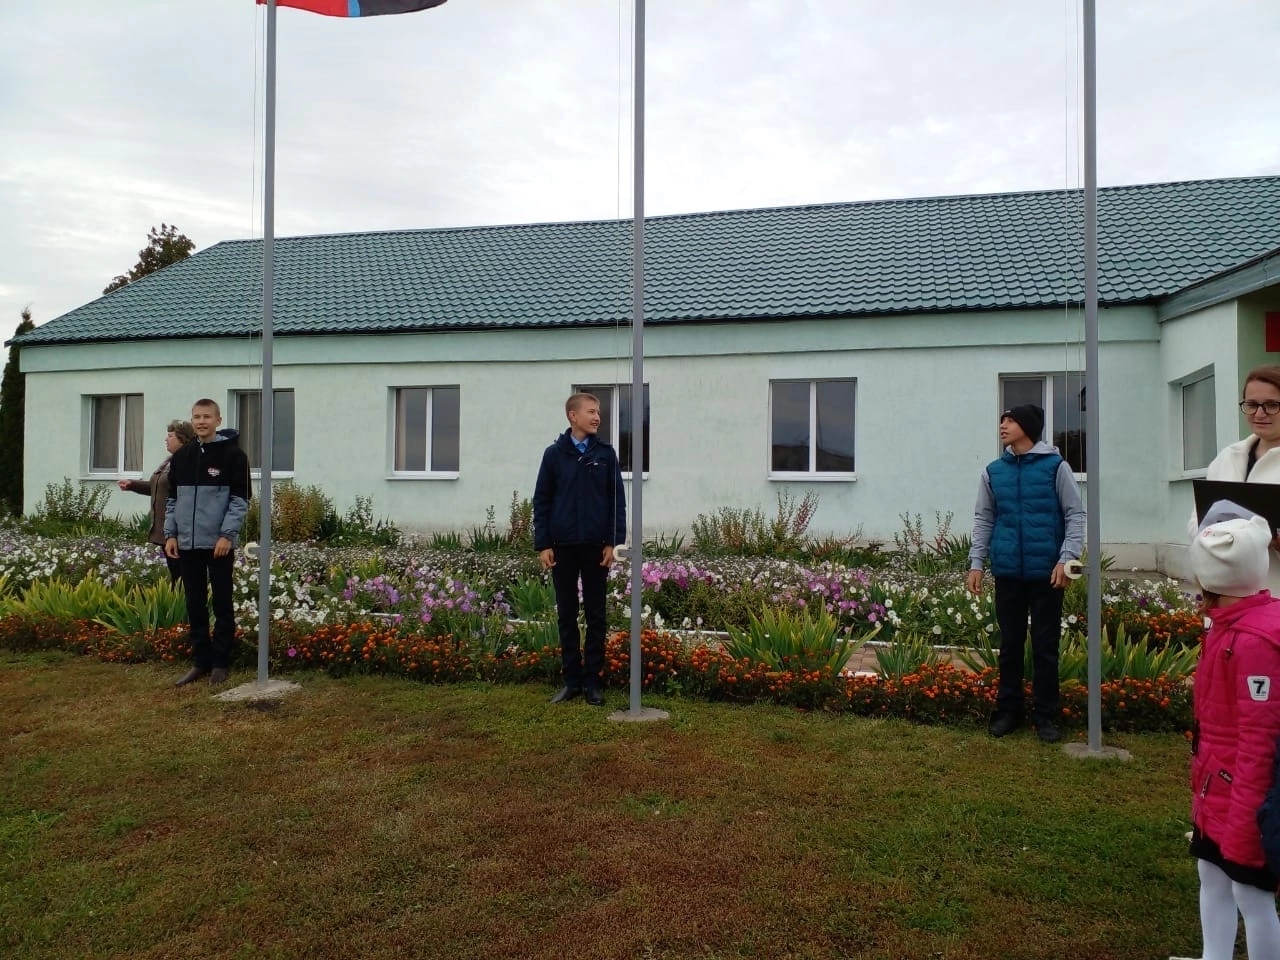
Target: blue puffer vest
{"points": [[1029, 527]]}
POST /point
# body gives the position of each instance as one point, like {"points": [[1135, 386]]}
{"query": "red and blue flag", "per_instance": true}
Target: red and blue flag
{"points": [[357, 8]]}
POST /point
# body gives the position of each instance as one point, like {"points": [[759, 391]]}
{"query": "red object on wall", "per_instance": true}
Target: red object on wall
{"points": [[1273, 333]]}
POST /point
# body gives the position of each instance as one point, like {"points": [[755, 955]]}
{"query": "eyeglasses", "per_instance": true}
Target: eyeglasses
{"points": [[1269, 407]]}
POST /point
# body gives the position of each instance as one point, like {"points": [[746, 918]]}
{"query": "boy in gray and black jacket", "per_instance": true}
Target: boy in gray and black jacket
{"points": [[208, 499]]}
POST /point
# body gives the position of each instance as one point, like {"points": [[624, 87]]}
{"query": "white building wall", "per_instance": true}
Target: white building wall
{"points": [[927, 409]]}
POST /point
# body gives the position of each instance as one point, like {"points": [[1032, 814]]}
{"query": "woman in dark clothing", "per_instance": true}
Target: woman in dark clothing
{"points": [[180, 433]]}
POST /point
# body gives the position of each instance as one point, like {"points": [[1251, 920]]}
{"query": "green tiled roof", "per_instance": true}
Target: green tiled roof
{"points": [[988, 252]]}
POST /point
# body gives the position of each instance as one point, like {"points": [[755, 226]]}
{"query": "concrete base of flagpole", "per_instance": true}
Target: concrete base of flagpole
{"points": [[252, 692], [1081, 751], [643, 715]]}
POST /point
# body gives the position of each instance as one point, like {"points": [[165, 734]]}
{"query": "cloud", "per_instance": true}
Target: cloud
{"points": [[520, 110]]}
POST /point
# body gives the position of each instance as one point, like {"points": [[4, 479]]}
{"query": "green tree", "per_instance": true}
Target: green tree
{"points": [[164, 246], [13, 392]]}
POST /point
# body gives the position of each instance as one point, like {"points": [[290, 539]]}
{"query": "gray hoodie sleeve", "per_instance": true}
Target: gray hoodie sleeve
{"points": [[1072, 513], [984, 516], [170, 521]]}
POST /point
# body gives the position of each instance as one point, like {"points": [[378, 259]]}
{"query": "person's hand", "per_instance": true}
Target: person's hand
{"points": [[124, 485], [171, 548], [1059, 579], [973, 582], [548, 558], [222, 547], [606, 556]]}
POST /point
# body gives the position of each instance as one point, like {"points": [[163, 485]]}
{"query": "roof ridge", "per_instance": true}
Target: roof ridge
{"points": [[733, 211]]}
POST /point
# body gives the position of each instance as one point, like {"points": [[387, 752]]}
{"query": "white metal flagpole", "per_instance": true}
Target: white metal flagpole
{"points": [[1093, 395], [268, 301], [637, 366]]}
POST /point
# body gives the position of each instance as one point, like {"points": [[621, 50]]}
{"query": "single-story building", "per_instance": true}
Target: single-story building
{"points": [[863, 351]]}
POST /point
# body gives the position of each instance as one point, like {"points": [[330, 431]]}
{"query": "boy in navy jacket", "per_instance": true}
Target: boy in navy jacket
{"points": [[579, 516]]}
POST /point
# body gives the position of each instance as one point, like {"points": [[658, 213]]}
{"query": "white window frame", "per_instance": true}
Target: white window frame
{"points": [[813, 474], [1191, 380], [233, 402], [121, 468], [615, 413], [1045, 404], [393, 400]]}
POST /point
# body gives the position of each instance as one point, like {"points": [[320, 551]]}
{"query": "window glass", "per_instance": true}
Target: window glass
{"points": [[835, 400], [249, 423], [615, 418], [1068, 418], [1199, 429], [445, 412], [789, 418], [105, 443]]}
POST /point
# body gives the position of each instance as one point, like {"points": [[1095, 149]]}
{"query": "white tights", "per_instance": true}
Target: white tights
{"points": [[1220, 898]]}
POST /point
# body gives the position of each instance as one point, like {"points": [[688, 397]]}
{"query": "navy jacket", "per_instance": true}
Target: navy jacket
{"points": [[578, 498], [208, 492]]}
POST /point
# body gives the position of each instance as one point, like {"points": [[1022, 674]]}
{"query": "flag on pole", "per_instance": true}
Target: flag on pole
{"points": [[357, 8]]}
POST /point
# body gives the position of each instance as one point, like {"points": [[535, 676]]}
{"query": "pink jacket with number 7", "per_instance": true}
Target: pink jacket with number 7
{"points": [[1237, 714]]}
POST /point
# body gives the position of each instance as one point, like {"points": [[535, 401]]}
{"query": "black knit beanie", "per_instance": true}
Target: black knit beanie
{"points": [[1029, 417]]}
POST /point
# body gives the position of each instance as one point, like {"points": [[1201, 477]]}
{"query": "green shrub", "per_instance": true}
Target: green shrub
{"points": [[357, 527], [450, 541], [942, 552], [520, 523], [663, 546], [712, 606], [747, 532], [73, 503], [801, 640], [145, 610], [906, 654], [531, 598], [298, 514]]}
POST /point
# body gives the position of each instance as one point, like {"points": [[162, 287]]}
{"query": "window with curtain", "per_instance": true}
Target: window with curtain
{"points": [[248, 407], [811, 426], [115, 433], [427, 425], [615, 419]]}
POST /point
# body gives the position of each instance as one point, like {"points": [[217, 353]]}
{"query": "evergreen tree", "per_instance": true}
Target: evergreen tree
{"points": [[164, 246], [13, 391]]}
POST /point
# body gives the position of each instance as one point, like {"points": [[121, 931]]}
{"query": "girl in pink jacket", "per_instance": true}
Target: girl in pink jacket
{"points": [[1237, 721]]}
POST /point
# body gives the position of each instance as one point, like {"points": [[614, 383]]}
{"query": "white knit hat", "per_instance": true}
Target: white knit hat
{"points": [[1229, 556]]}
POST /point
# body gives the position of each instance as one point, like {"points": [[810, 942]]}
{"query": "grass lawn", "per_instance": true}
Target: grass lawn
{"points": [[380, 818]]}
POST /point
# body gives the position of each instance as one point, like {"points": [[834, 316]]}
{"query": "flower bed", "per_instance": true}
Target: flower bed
{"points": [[444, 616]]}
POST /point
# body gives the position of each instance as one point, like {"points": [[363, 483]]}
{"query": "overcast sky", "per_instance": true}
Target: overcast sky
{"points": [[118, 116]]}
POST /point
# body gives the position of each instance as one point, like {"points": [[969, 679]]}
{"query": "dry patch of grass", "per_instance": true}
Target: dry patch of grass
{"points": [[381, 818]]}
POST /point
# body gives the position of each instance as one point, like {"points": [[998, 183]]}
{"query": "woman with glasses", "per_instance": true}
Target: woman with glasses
{"points": [[1256, 458], [180, 433]]}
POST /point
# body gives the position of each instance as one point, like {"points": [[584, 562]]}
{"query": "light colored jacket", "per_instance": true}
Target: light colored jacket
{"points": [[1230, 464]]}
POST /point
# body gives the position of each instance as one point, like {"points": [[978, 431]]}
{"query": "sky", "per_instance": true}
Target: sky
{"points": [[116, 117]]}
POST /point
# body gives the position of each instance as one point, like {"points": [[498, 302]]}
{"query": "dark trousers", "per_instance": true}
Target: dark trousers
{"points": [[574, 563], [1015, 600], [202, 574]]}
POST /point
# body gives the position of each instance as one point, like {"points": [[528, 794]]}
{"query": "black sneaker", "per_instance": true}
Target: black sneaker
{"points": [[1003, 723], [1048, 732]]}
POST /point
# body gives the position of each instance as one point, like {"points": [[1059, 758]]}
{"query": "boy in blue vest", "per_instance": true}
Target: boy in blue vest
{"points": [[1029, 519]]}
